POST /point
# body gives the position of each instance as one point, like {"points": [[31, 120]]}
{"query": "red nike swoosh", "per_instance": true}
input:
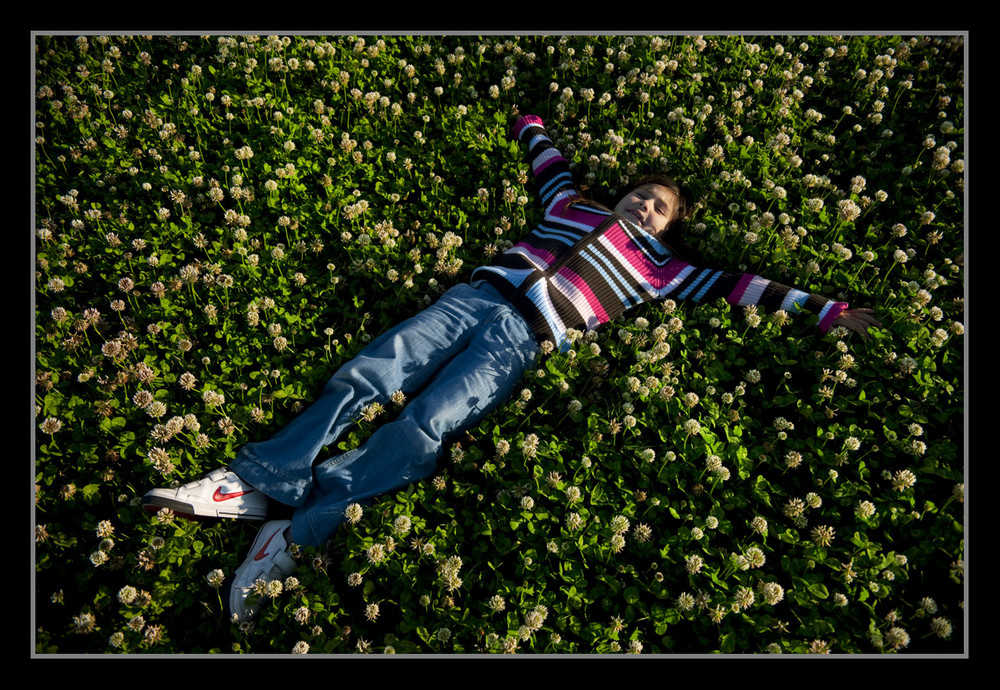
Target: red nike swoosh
{"points": [[220, 495], [263, 550]]}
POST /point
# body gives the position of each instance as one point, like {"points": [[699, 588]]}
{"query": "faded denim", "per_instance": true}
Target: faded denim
{"points": [[455, 361]]}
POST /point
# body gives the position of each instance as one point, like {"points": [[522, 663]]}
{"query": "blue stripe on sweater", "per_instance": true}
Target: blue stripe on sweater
{"points": [[708, 285], [552, 187], [544, 230], [514, 276], [702, 274]]}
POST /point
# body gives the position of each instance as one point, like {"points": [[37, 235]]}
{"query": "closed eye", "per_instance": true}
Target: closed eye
{"points": [[657, 208]]}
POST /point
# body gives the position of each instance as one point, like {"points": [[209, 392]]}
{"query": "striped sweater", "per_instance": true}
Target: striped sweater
{"points": [[584, 265]]}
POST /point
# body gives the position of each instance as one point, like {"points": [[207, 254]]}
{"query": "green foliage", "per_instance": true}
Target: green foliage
{"points": [[221, 221]]}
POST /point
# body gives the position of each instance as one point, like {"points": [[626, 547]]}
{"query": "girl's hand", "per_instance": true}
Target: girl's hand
{"points": [[857, 320]]}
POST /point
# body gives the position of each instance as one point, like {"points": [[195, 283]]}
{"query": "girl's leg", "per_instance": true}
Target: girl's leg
{"points": [[404, 358], [473, 383]]}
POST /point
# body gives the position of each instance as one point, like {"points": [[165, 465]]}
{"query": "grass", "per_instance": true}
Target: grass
{"points": [[220, 221]]}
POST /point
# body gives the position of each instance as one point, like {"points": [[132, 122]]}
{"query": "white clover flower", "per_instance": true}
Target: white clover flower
{"points": [[353, 513], [903, 480], [865, 509], [619, 524], [771, 592], [684, 601], [617, 543]]}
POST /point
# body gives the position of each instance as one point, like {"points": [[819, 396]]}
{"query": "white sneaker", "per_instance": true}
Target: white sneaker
{"points": [[269, 559], [219, 494]]}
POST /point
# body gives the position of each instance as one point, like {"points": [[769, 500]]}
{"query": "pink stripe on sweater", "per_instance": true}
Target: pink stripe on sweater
{"points": [[573, 214], [580, 284], [657, 276], [560, 207], [541, 165], [741, 287], [525, 121], [835, 310], [541, 254]]}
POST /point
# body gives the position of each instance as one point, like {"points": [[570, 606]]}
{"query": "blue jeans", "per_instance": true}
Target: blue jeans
{"points": [[456, 361]]}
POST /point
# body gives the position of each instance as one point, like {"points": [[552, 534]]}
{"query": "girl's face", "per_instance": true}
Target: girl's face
{"points": [[652, 207]]}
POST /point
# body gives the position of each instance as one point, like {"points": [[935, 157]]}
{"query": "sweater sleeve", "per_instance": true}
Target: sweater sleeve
{"points": [[550, 168], [746, 289]]}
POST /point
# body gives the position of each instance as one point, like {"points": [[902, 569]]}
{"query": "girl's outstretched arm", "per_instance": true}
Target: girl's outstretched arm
{"points": [[551, 170], [678, 279]]}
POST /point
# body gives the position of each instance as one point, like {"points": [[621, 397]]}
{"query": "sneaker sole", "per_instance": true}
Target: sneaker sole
{"points": [[198, 511]]}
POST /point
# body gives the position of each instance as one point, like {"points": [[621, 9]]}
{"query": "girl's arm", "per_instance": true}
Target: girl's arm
{"points": [[551, 169], [746, 289]]}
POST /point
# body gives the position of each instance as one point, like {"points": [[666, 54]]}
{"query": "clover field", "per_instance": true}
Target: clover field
{"points": [[219, 221]]}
